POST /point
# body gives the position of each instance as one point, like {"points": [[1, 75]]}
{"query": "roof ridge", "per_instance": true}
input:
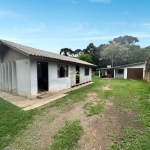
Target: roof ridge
{"points": [[42, 53]]}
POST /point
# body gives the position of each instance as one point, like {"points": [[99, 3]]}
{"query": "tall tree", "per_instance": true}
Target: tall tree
{"points": [[125, 40], [146, 52], [78, 52], [114, 52], [66, 52], [89, 49]]}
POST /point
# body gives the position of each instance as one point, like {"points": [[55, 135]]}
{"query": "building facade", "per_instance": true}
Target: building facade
{"points": [[27, 71]]}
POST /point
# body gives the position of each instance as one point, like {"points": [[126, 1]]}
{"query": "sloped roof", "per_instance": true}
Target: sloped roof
{"points": [[122, 66], [29, 51]]}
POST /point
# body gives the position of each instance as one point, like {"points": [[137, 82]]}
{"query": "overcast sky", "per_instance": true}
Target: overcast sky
{"points": [[55, 24]]}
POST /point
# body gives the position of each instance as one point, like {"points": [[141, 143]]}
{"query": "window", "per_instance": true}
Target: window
{"points": [[62, 70], [86, 71], [120, 71]]}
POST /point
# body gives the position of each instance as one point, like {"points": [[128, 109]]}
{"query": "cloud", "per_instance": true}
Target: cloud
{"points": [[8, 14], [86, 38], [101, 1], [34, 29]]}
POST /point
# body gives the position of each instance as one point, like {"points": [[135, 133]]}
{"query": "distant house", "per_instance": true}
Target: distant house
{"points": [[28, 71], [131, 71]]}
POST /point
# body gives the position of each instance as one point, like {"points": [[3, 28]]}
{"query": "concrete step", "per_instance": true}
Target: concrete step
{"points": [[44, 95]]}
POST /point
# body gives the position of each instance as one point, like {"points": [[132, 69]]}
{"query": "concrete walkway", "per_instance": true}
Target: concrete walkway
{"points": [[27, 104]]}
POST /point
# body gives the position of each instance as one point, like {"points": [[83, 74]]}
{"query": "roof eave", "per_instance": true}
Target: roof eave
{"points": [[57, 60]]}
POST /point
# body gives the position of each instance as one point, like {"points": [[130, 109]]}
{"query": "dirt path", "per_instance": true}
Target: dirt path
{"points": [[98, 129]]}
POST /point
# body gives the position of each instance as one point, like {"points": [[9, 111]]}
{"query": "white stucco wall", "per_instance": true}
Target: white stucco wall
{"points": [[55, 83], [14, 78], [125, 70], [84, 78], [119, 76], [135, 66], [72, 75], [20, 77], [23, 77], [34, 84]]}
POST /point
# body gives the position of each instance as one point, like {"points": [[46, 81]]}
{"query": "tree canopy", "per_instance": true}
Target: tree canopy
{"points": [[114, 52], [125, 40], [66, 51], [86, 57], [120, 51]]}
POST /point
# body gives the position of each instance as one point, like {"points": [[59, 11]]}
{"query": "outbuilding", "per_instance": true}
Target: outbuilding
{"points": [[28, 71], [134, 71]]}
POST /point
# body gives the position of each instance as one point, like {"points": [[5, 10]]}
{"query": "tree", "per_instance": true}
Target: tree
{"points": [[125, 40], [66, 52], [78, 52], [86, 57], [114, 52], [146, 52], [89, 49]]}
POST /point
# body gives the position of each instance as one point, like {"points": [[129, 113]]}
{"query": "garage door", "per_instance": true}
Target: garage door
{"points": [[135, 73]]}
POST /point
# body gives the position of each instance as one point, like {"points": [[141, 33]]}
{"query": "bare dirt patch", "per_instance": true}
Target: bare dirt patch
{"points": [[99, 130], [106, 87]]}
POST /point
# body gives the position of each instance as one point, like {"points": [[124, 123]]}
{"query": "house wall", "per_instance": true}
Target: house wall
{"points": [[135, 66], [12, 55], [33, 74], [20, 77], [55, 83], [124, 76], [147, 76], [84, 78], [119, 76], [8, 82], [23, 77], [72, 75]]}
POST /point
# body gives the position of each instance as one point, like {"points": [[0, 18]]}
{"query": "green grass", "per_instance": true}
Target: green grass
{"points": [[92, 109], [131, 96], [67, 137], [127, 95], [12, 121]]}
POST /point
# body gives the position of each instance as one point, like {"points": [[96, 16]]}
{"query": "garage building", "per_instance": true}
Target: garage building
{"points": [[134, 71]]}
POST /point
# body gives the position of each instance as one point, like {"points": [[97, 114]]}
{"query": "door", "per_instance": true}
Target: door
{"points": [[77, 74], [135, 73], [42, 76]]}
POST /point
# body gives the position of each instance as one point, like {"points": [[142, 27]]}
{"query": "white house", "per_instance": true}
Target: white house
{"points": [[131, 71], [28, 71]]}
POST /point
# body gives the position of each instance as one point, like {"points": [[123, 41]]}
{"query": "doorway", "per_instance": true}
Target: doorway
{"points": [[77, 74], [42, 76], [135, 73]]}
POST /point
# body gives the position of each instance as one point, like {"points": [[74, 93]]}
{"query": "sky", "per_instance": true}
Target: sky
{"points": [[55, 24]]}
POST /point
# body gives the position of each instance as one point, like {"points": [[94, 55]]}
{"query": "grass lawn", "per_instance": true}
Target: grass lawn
{"points": [[12, 121], [129, 98], [67, 137]]}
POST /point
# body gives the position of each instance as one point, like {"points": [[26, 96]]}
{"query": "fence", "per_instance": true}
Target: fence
{"points": [[147, 76]]}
